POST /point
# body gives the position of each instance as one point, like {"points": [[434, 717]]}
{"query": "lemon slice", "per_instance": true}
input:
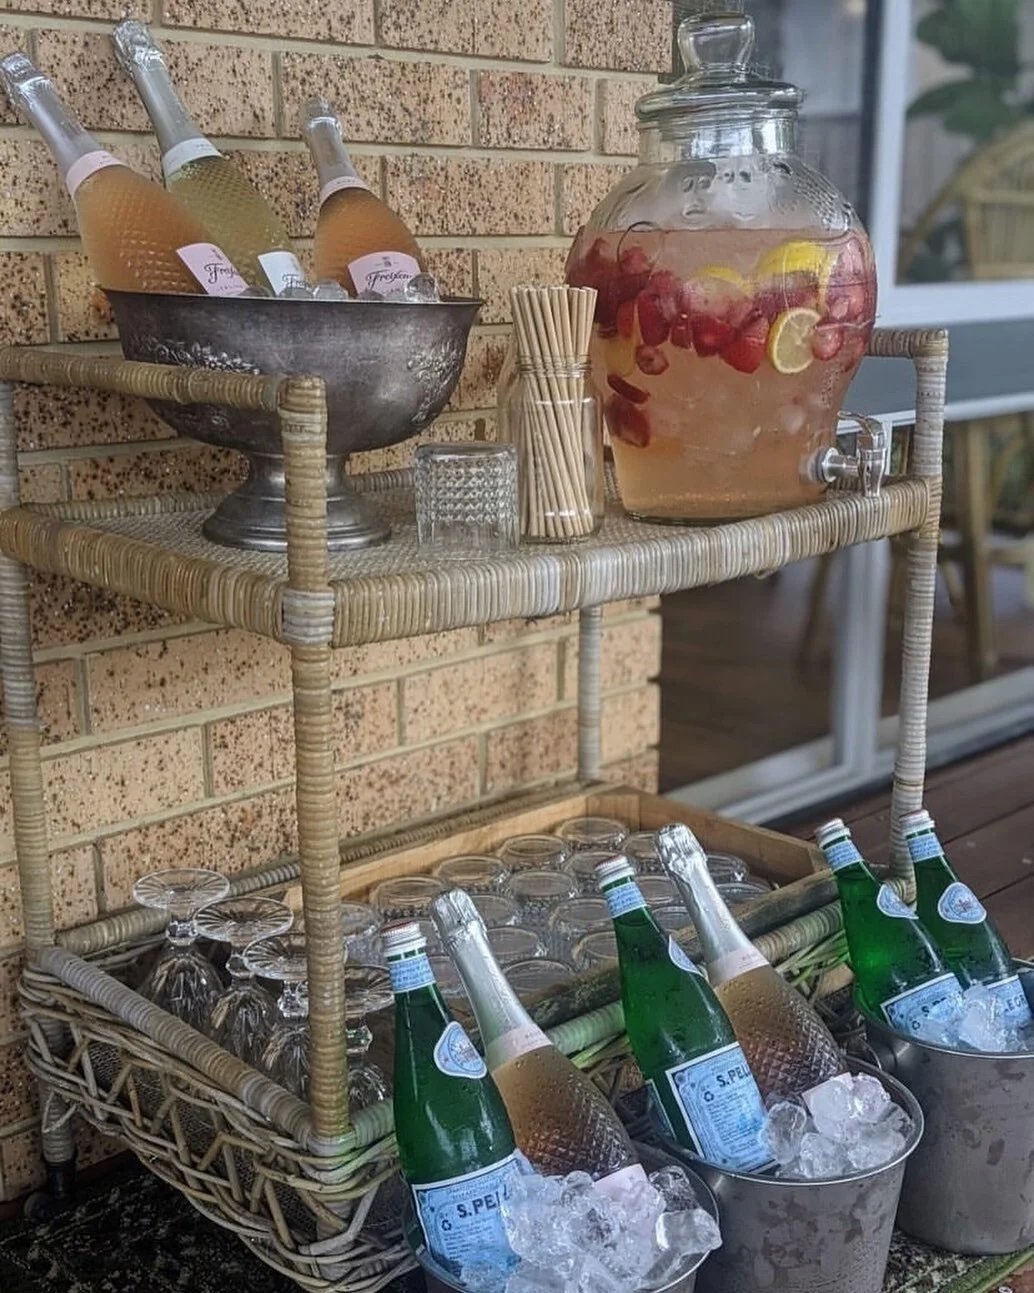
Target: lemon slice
{"points": [[724, 274], [789, 341], [797, 257]]}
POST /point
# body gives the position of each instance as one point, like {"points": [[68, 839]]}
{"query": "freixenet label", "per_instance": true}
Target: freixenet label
{"points": [[84, 167], [213, 269], [518, 1041], [722, 1108], [383, 272], [455, 1055], [341, 182], [908, 1011], [283, 269], [461, 1217], [959, 905], [182, 154]]}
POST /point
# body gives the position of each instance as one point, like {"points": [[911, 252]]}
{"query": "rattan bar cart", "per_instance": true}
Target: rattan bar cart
{"points": [[313, 1191]]}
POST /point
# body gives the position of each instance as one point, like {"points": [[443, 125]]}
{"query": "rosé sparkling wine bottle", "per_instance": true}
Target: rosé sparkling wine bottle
{"points": [[789, 1049], [360, 242], [138, 238], [239, 217], [561, 1119]]}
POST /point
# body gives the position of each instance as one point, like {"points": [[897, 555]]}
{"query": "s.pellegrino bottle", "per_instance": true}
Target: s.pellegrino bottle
{"points": [[561, 1119], [137, 237], [456, 1145], [221, 195], [360, 242], [958, 923], [699, 1080], [788, 1047], [899, 973]]}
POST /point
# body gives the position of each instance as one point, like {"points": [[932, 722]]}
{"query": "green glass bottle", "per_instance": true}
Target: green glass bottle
{"points": [[699, 1079], [455, 1141], [899, 973], [959, 924]]}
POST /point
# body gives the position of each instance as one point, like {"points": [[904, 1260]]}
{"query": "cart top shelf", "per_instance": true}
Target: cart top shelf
{"points": [[154, 550]]}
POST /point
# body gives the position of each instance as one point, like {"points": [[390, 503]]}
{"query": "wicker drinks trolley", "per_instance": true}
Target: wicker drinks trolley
{"points": [[314, 1191]]}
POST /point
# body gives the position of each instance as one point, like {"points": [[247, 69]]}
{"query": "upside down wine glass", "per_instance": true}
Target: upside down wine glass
{"points": [[286, 1054], [182, 981], [367, 990]]}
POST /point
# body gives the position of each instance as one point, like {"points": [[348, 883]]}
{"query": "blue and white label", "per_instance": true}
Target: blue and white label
{"points": [[960, 905], [908, 1011], [722, 1108], [624, 897], [461, 1217], [410, 973], [1013, 1006], [842, 853], [921, 848], [890, 904], [456, 1056], [678, 957]]}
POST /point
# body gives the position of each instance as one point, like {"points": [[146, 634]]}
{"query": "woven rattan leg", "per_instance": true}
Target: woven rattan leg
{"points": [[930, 354], [308, 625], [30, 832], [590, 736]]}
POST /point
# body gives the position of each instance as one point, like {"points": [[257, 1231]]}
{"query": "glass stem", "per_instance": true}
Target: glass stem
{"points": [[237, 969], [182, 931], [294, 1000]]}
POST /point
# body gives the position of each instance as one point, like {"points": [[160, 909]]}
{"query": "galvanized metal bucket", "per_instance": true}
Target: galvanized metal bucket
{"points": [[653, 1158], [781, 1236], [970, 1185]]}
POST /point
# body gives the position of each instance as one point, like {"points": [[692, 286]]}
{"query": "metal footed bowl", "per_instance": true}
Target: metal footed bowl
{"points": [[389, 370]]}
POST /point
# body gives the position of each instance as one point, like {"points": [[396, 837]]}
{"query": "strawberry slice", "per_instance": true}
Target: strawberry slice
{"points": [[628, 423], [634, 394], [682, 332], [626, 318], [711, 335], [747, 350], [651, 360], [798, 290], [658, 306], [827, 341]]}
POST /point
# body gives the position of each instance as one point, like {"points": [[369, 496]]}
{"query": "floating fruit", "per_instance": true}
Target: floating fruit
{"points": [[682, 332], [797, 257], [627, 422], [626, 318], [626, 390], [827, 341], [651, 360], [790, 340], [658, 305], [746, 351]]}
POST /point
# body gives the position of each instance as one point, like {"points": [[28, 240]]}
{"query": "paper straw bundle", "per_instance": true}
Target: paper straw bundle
{"points": [[558, 462]]}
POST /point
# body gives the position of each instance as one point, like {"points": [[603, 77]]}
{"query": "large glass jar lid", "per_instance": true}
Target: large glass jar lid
{"points": [[716, 42]]}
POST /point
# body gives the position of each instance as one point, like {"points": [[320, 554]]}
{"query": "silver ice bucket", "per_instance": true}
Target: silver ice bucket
{"points": [[805, 1236], [970, 1185]]}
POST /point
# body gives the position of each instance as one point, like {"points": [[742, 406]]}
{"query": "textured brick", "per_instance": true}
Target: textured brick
{"points": [[381, 99], [501, 268], [183, 676], [114, 9], [17, 1087], [390, 657], [530, 110], [287, 178], [228, 90], [478, 692], [471, 197], [347, 21], [72, 883], [41, 482], [583, 187], [408, 786], [534, 750], [12, 39], [83, 312], [10, 1015], [21, 1163], [53, 418], [235, 837], [490, 28], [476, 388], [630, 35], [23, 307], [64, 611], [631, 721], [631, 653], [454, 269], [617, 123], [396, 456], [641, 771], [56, 682], [183, 467]]}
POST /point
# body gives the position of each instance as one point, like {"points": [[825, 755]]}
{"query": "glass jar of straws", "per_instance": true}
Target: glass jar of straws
{"points": [[554, 415]]}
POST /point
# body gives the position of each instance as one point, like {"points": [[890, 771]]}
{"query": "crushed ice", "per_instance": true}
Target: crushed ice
{"points": [[847, 1124], [422, 289], [572, 1237], [977, 1025]]}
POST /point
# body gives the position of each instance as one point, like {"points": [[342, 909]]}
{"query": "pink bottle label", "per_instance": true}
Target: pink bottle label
{"points": [[383, 272], [341, 182], [212, 268], [86, 166]]}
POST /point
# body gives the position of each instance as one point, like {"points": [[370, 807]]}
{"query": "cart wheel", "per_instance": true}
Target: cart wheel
{"points": [[41, 1206], [58, 1197]]}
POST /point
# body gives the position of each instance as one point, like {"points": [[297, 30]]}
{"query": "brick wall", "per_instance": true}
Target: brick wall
{"points": [[493, 129]]}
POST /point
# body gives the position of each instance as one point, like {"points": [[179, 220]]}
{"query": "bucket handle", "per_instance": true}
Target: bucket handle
{"points": [[879, 1055]]}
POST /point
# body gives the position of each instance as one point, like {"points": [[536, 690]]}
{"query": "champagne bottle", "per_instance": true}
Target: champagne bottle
{"points": [[562, 1120], [455, 1142], [698, 1077], [137, 237], [958, 923], [899, 973], [240, 218], [788, 1047], [360, 242]]}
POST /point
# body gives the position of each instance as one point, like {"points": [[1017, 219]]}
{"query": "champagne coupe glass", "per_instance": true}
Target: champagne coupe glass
{"points": [[244, 1013], [534, 853], [286, 1055], [182, 981], [367, 989]]}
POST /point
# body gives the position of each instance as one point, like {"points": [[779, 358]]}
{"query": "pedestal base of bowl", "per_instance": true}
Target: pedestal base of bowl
{"points": [[254, 516]]}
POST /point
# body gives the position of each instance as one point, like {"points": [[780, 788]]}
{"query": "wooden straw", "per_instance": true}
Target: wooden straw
{"points": [[553, 328]]}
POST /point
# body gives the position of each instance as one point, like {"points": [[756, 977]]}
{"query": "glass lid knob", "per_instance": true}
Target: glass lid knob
{"points": [[717, 35]]}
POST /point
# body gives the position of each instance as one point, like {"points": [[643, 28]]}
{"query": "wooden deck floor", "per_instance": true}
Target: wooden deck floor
{"points": [[984, 811]]}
